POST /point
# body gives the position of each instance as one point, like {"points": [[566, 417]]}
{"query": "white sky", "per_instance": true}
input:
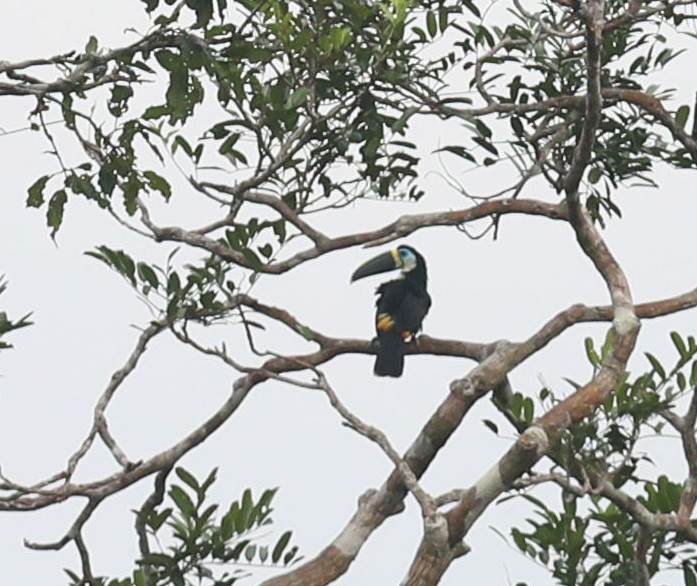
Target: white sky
{"points": [[286, 436]]}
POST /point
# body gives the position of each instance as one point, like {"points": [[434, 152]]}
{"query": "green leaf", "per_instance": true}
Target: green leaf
{"points": [[210, 479], [297, 98], [400, 124], [226, 147], [279, 229], [594, 175], [168, 59], [252, 258], [485, 144], [182, 500], [249, 552], [483, 129], [239, 515], [154, 112], [139, 578], [131, 189], [180, 141], [681, 116], [290, 555], [35, 198], [187, 478], [520, 539], [608, 344], [592, 355], [155, 520], [656, 365], [158, 183], [176, 577], [460, 151], [280, 546], [263, 507], [82, 185], [229, 521], [177, 93], [54, 215], [491, 425], [91, 46], [107, 179], [173, 284], [204, 11], [157, 559], [472, 7], [528, 410], [246, 509], [237, 550], [442, 19], [431, 24], [679, 344], [118, 103]]}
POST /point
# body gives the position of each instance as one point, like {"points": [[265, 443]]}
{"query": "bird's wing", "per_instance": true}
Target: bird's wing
{"points": [[400, 307], [412, 311], [390, 298]]}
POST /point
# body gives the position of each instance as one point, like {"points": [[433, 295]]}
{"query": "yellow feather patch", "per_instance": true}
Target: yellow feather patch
{"points": [[397, 259], [384, 322]]}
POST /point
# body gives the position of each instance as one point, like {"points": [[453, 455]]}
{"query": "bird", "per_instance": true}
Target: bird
{"points": [[401, 305]]}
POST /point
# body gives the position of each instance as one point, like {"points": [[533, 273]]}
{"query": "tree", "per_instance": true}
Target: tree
{"points": [[277, 114]]}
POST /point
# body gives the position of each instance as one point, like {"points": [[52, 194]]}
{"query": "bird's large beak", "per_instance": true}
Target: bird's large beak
{"points": [[388, 261]]}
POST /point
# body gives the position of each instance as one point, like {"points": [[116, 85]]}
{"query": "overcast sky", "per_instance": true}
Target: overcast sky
{"points": [[285, 436]]}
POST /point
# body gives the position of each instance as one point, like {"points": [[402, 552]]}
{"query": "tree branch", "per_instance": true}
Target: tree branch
{"points": [[401, 227], [426, 502]]}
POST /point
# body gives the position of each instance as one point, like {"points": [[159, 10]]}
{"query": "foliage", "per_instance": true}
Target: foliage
{"points": [[207, 548], [6, 324], [596, 537]]}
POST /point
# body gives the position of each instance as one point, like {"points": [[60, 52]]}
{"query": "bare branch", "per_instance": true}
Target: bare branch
{"points": [[99, 426], [401, 227], [685, 426], [428, 507], [155, 498]]}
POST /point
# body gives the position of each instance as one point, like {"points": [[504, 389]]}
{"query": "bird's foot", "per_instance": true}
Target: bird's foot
{"points": [[409, 337]]}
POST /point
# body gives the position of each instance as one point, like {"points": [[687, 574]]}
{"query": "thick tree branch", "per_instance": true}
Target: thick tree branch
{"points": [[375, 506], [401, 227], [430, 564], [426, 502]]}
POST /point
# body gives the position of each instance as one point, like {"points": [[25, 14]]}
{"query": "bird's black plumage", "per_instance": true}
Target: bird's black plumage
{"points": [[401, 306]]}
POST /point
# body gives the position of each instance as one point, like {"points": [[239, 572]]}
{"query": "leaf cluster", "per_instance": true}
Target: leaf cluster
{"points": [[595, 537], [6, 324], [205, 546]]}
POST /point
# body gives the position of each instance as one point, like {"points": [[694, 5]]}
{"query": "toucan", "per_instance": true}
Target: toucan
{"points": [[402, 305]]}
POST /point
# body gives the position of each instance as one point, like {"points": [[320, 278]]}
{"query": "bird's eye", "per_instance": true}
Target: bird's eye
{"points": [[403, 252]]}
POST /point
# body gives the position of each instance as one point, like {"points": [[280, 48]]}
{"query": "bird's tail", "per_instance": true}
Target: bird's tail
{"points": [[390, 355]]}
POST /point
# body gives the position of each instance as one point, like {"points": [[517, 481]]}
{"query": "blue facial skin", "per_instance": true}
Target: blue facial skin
{"points": [[408, 259]]}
